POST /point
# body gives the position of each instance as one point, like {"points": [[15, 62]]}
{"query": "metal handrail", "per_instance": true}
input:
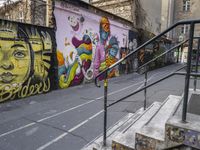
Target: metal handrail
{"points": [[187, 74], [147, 86]]}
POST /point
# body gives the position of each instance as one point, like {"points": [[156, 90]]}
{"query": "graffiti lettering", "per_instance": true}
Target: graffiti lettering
{"points": [[10, 92], [33, 89]]}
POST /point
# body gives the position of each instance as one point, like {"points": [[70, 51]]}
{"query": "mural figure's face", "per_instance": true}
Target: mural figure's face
{"points": [[113, 52], [104, 28], [14, 61], [74, 23]]}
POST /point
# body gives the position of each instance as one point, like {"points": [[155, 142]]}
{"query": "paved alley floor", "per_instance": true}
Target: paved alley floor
{"points": [[70, 118]]}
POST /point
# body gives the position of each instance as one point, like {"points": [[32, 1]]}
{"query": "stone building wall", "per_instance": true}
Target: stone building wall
{"points": [[145, 14], [121, 8], [28, 11], [17, 11], [179, 14]]}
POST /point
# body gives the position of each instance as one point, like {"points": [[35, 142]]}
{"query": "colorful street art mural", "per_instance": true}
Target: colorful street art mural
{"points": [[106, 50], [25, 60], [86, 44]]}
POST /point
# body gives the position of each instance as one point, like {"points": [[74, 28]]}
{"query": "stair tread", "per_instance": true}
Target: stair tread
{"points": [[156, 126], [127, 137], [112, 131]]}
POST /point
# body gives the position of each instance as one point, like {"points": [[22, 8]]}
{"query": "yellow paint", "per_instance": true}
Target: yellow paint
{"points": [[9, 91], [33, 89], [65, 84], [15, 61], [105, 82], [86, 57], [105, 24], [39, 45], [86, 46], [60, 57]]}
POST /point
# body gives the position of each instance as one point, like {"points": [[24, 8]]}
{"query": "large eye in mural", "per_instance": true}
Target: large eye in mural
{"points": [[19, 54]]}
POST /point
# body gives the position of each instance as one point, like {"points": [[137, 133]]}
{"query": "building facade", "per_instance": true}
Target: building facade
{"points": [[121, 8], [152, 11], [16, 11], [28, 11], [185, 10], [145, 14]]}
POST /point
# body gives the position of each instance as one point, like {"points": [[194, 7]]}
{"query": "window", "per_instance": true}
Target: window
{"points": [[186, 5], [7, 16], [184, 29], [21, 16]]}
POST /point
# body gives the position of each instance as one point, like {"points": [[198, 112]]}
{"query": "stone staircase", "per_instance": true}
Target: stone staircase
{"points": [[152, 135], [156, 128]]}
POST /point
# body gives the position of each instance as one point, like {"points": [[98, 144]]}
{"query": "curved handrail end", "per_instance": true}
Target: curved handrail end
{"points": [[96, 78], [96, 82]]}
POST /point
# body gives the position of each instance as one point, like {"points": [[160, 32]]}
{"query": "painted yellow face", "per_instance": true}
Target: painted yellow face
{"points": [[15, 61]]}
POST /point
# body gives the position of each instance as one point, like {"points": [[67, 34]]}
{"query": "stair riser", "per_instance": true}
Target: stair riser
{"points": [[118, 146], [127, 139], [146, 143], [177, 135]]}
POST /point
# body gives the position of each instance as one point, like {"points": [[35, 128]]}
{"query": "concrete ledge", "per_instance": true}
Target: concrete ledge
{"points": [[126, 139], [152, 135], [97, 143], [188, 133]]}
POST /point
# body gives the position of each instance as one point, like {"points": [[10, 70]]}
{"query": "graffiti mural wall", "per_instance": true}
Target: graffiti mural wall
{"points": [[25, 60], [86, 44]]}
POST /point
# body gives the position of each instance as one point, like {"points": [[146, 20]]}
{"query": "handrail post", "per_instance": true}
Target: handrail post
{"points": [[187, 77], [145, 90], [197, 63], [178, 54], [105, 107], [182, 49]]}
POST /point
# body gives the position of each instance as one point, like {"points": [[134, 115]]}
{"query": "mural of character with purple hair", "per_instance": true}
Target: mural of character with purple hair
{"points": [[106, 50], [99, 59]]}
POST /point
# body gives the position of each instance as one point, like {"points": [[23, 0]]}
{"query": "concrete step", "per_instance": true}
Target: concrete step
{"points": [[126, 138], [192, 105], [97, 143], [185, 133], [152, 135]]}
